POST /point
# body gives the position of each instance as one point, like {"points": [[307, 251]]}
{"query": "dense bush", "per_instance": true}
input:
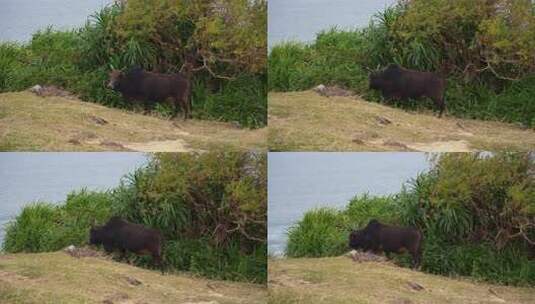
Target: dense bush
{"points": [[211, 208], [225, 42], [484, 49], [477, 212], [46, 227]]}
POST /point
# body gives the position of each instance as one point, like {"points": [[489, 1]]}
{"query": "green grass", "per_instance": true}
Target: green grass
{"points": [[339, 280], [57, 277]]}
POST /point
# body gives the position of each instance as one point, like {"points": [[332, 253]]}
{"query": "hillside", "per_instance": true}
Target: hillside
{"points": [[340, 280], [60, 278], [306, 121], [32, 123]]}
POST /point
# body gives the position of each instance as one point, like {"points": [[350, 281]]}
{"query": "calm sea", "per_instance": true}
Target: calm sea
{"points": [[298, 182], [300, 20], [19, 19], [31, 177]]}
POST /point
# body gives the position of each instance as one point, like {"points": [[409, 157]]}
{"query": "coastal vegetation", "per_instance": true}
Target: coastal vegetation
{"points": [[225, 41], [483, 48], [210, 208], [476, 211]]}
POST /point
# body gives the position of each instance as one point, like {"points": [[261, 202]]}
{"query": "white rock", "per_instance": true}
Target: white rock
{"points": [[36, 89], [320, 88]]}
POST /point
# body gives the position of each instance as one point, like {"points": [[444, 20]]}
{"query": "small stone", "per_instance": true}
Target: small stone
{"points": [[133, 281], [98, 120], [383, 120], [36, 89], [74, 141], [415, 286]]}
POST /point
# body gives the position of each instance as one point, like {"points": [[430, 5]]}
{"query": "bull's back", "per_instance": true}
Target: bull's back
{"points": [[136, 237], [398, 239]]}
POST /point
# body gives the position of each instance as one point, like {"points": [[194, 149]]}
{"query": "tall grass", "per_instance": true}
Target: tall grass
{"points": [[211, 209], [47, 227], [469, 207]]}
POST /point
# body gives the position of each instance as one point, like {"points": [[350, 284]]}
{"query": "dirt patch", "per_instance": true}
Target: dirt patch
{"points": [[289, 281], [118, 298], [442, 146], [177, 145]]}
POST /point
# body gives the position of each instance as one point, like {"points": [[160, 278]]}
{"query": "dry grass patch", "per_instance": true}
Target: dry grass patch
{"points": [[30, 122], [306, 121], [340, 280], [59, 278]]}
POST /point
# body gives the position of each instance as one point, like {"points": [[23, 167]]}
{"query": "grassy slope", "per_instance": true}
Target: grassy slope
{"points": [[29, 122], [308, 122], [59, 278], [340, 280]]}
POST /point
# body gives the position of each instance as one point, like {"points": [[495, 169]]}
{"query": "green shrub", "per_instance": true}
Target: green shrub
{"points": [[317, 234], [476, 211], [47, 227]]}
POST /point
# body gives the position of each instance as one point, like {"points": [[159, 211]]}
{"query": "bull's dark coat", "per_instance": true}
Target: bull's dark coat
{"points": [[377, 237], [137, 84], [124, 236], [399, 83]]}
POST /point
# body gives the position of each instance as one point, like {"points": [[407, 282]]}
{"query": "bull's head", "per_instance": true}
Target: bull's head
{"points": [[115, 77], [356, 239], [94, 236], [374, 80]]}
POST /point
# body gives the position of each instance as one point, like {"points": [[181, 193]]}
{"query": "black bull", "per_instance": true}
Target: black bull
{"points": [[395, 82], [137, 84], [377, 237], [118, 234]]}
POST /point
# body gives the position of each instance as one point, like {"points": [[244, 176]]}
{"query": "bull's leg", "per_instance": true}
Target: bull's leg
{"points": [[187, 102], [184, 105], [176, 107], [157, 258], [441, 105], [108, 248], [416, 259], [122, 256]]}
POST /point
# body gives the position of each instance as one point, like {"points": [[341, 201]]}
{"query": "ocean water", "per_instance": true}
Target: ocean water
{"points": [[49, 177], [300, 20], [298, 182], [19, 19]]}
